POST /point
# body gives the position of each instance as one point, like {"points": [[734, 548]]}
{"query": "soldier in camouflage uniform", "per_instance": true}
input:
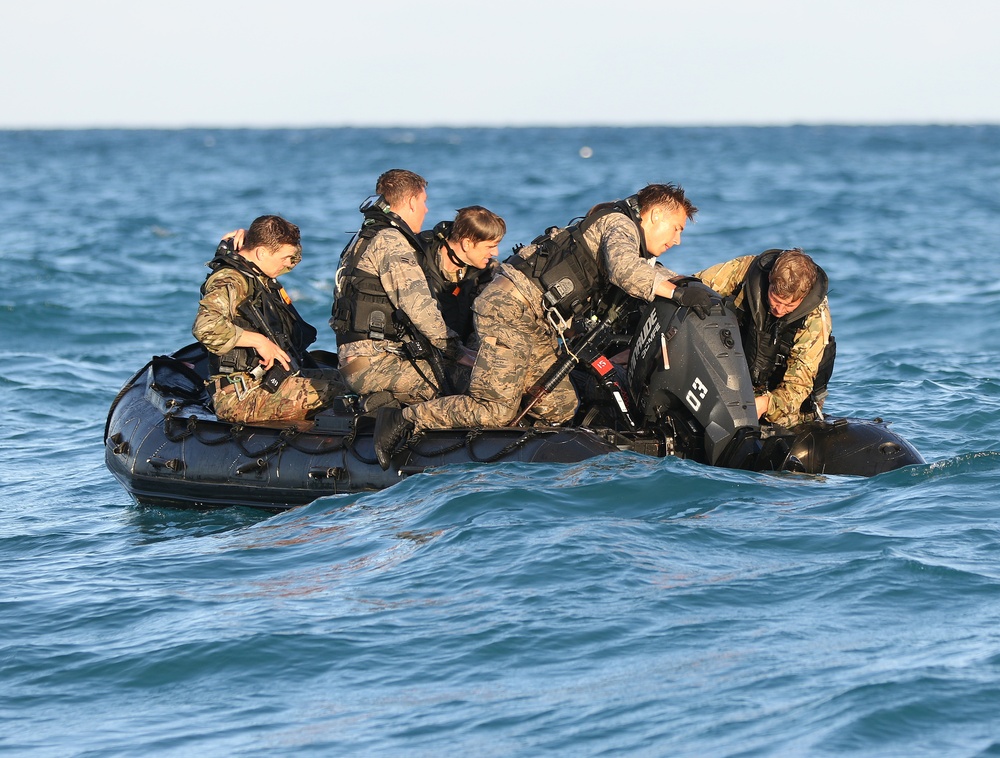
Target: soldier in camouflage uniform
{"points": [[379, 282], [781, 301], [248, 324], [615, 245], [459, 260]]}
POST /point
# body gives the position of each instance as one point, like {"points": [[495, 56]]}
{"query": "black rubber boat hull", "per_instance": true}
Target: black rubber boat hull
{"points": [[855, 447], [168, 451], [166, 447], [165, 453]]}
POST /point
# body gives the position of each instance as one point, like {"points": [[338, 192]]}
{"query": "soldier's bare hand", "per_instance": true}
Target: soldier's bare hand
{"points": [[268, 351], [277, 354], [237, 237], [763, 403]]}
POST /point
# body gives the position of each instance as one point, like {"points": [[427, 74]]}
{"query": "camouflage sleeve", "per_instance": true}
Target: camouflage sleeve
{"points": [[724, 278], [406, 285], [803, 362], [213, 326], [616, 238]]}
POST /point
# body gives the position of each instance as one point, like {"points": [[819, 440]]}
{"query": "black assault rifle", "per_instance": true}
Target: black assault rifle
{"points": [[586, 348], [417, 346]]}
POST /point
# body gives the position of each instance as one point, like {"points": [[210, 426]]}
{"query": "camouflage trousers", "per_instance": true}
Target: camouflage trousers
{"points": [[516, 348], [295, 400], [387, 372]]}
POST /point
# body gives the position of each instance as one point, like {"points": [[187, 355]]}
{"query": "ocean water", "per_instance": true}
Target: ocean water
{"points": [[622, 606]]}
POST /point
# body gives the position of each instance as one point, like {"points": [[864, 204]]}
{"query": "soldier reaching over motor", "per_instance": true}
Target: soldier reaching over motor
{"points": [[780, 297]]}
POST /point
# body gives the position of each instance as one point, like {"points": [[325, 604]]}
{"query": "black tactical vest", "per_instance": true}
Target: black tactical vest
{"points": [[568, 274], [768, 341], [361, 308], [265, 310]]}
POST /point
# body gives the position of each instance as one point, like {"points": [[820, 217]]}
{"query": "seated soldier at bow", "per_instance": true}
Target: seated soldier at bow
{"points": [[255, 338]]}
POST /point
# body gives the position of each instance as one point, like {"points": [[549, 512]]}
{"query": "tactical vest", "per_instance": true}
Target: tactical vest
{"points": [[265, 310], [768, 341], [362, 309], [568, 274], [455, 299]]}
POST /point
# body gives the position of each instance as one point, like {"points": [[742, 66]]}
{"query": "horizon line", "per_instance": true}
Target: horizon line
{"points": [[595, 125]]}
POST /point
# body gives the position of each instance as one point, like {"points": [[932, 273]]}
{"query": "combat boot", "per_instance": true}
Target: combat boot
{"points": [[390, 429]]}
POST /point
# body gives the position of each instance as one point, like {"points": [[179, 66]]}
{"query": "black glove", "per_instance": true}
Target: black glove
{"points": [[694, 298], [453, 352]]}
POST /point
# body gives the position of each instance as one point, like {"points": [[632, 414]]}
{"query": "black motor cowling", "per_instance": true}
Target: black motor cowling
{"points": [[689, 375]]}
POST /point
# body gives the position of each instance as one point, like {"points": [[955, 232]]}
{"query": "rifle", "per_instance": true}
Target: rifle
{"points": [[418, 346], [586, 348], [272, 378]]}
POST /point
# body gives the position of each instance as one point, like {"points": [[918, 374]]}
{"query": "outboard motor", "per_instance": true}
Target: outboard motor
{"points": [[689, 377]]}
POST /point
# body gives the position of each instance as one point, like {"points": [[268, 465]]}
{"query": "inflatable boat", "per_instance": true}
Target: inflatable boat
{"points": [[684, 390]]}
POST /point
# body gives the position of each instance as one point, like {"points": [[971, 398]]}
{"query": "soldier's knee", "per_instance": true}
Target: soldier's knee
{"points": [[501, 415]]}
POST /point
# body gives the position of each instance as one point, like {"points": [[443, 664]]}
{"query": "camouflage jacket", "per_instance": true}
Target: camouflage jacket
{"points": [[391, 257], [614, 240], [215, 326]]}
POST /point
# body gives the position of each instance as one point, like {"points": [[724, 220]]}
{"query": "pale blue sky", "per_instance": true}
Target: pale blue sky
{"points": [[108, 63]]}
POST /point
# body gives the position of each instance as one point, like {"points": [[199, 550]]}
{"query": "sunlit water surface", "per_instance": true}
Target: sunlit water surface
{"points": [[622, 606]]}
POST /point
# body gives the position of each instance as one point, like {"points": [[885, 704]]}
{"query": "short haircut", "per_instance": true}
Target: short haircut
{"points": [[397, 185], [478, 224], [272, 232], [666, 195], [793, 275]]}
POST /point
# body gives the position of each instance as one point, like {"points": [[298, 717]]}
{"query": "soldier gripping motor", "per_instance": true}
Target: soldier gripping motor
{"points": [[256, 339], [383, 310], [781, 301], [521, 312]]}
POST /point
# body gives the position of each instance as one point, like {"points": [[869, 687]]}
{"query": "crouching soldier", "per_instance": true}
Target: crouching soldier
{"points": [[459, 260], [780, 297]]}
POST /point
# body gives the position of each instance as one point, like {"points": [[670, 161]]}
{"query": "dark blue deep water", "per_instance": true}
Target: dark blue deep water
{"points": [[623, 606]]}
